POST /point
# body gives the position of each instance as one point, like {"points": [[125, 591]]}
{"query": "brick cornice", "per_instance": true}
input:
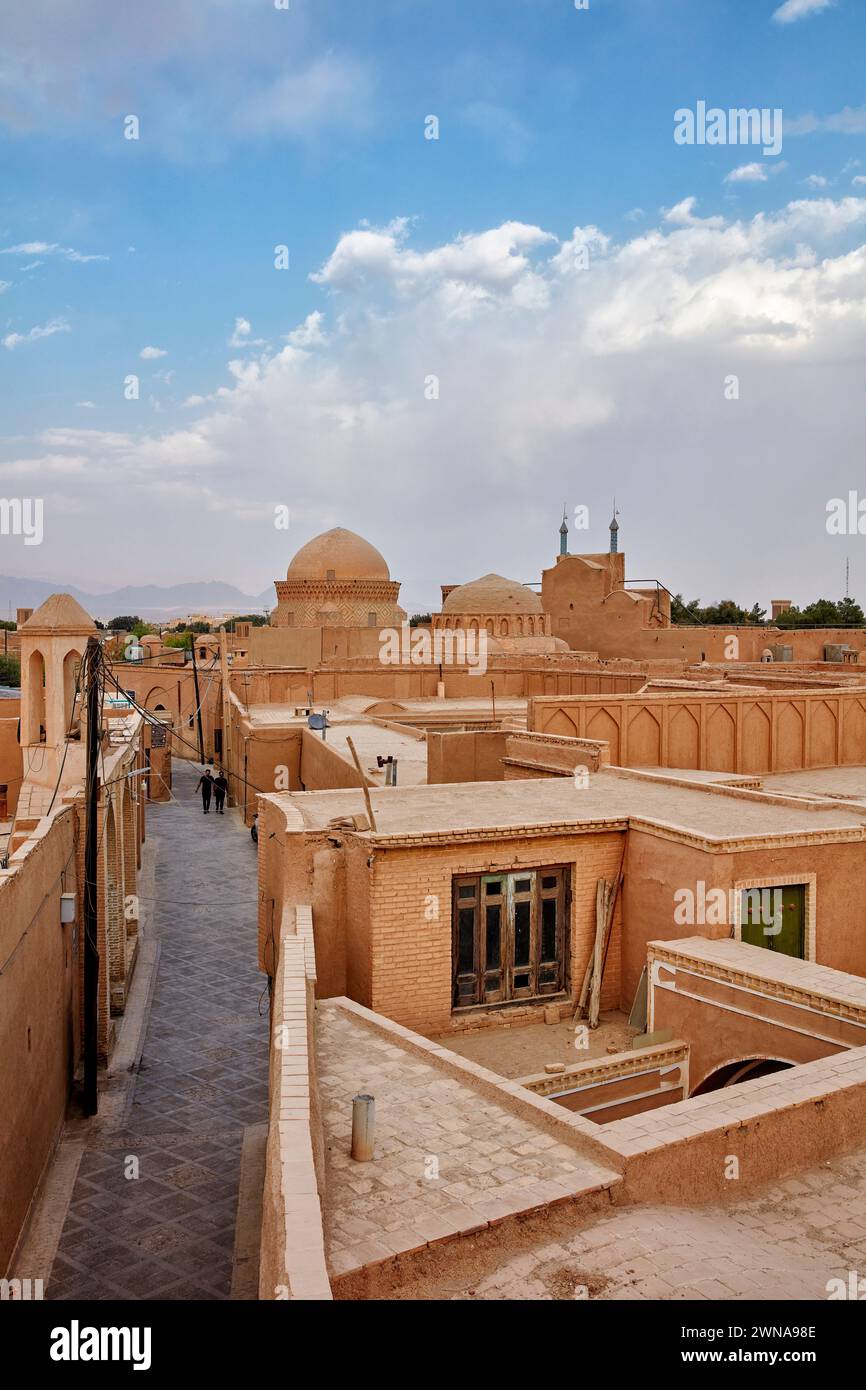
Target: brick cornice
{"points": [[760, 984]]}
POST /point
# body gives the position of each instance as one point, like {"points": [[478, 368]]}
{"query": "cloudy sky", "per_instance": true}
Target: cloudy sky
{"points": [[546, 304]]}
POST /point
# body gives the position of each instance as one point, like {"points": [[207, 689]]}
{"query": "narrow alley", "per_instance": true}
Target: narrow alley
{"points": [[154, 1205]]}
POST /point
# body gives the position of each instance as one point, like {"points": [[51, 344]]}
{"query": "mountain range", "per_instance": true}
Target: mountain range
{"points": [[211, 596]]}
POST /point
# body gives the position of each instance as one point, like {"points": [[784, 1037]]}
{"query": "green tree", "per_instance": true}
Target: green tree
{"points": [[850, 611], [822, 613], [257, 619], [10, 670]]}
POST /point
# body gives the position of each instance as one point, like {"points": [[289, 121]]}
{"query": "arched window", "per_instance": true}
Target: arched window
{"points": [[36, 732], [71, 668]]}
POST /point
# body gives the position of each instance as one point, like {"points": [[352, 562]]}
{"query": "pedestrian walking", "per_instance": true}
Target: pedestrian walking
{"points": [[220, 787], [206, 783]]}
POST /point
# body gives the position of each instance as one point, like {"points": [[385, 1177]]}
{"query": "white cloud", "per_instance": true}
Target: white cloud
{"points": [[476, 268], [86, 405], [310, 333], [747, 173], [149, 354], [859, 179], [851, 120], [551, 376], [4, 285], [326, 94], [793, 10], [241, 335], [48, 248], [635, 215], [815, 180], [682, 215], [47, 330], [253, 72]]}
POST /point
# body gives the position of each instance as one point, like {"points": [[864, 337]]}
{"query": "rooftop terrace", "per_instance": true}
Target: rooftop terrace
{"points": [[612, 797]]}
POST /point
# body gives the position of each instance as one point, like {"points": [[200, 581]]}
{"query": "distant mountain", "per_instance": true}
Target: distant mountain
{"points": [[147, 600]]}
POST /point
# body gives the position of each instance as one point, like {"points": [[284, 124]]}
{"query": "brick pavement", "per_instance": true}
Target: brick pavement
{"points": [[785, 1243], [447, 1159], [169, 1233]]}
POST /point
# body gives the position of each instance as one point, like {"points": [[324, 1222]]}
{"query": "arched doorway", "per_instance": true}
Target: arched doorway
{"points": [[746, 1069]]}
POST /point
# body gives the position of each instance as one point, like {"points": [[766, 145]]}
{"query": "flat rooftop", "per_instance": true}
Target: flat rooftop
{"points": [[786, 971], [611, 796], [356, 706], [372, 741]]}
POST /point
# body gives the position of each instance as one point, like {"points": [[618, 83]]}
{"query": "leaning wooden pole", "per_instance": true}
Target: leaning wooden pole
{"points": [[364, 788], [600, 888]]}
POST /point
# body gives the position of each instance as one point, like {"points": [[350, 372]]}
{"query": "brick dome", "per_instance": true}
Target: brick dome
{"points": [[338, 555], [492, 594]]}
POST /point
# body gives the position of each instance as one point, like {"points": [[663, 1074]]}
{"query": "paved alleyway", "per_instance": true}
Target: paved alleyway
{"points": [[169, 1233]]}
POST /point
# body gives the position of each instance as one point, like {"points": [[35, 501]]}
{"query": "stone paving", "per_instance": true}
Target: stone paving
{"points": [[169, 1233], [785, 1244], [447, 1159]]}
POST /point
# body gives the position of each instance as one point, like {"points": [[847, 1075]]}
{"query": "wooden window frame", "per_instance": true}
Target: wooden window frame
{"points": [[479, 981]]}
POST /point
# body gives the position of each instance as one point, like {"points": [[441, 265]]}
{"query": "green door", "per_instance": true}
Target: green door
{"points": [[775, 918]]}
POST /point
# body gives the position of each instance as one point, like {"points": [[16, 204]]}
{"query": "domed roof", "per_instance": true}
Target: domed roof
{"points": [[492, 594], [59, 611], [338, 554]]}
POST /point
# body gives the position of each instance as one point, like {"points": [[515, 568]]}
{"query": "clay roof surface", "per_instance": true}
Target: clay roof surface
{"points": [[60, 611], [556, 800], [348, 555], [492, 594]]}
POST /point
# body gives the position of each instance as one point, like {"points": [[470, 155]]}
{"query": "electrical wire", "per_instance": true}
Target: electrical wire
{"points": [[148, 716]]}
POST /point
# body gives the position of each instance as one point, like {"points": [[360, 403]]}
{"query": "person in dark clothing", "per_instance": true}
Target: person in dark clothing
{"points": [[206, 783], [220, 787]]}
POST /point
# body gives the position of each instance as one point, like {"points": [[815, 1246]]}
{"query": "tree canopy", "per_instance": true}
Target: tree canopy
{"points": [[823, 612]]}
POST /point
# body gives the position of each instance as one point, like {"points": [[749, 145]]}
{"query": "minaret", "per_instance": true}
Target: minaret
{"points": [[614, 531], [563, 534]]}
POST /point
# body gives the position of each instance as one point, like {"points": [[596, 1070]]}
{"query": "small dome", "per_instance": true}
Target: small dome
{"points": [[338, 555], [59, 611], [492, 594]]}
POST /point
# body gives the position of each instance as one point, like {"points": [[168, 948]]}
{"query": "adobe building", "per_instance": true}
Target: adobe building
{"points": [[53, 640], [471, 905], [595, 608], [337, 580], [509, 613], [388, 947]]}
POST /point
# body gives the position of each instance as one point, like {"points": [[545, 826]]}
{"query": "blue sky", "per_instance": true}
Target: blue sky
{"points": [[305, 127]]}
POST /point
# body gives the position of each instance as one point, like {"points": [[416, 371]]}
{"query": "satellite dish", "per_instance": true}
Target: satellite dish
{"points": [[318, 721]]}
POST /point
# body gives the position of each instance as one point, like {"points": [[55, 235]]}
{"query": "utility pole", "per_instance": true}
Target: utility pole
{"points": [[228, 752], [91, 952], [197, 699]]}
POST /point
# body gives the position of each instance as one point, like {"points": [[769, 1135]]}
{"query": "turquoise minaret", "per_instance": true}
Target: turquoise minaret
{"points": [[614, 531], [563, 535]]}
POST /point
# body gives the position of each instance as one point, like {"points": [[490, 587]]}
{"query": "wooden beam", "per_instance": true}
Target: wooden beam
{"points": [[364, 788]]}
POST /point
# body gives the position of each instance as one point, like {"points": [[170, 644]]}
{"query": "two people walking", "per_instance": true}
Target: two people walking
{"points": [[213, 786]]}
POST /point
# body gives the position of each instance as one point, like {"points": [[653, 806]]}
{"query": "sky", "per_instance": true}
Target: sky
{"points": [[510, 288]]}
